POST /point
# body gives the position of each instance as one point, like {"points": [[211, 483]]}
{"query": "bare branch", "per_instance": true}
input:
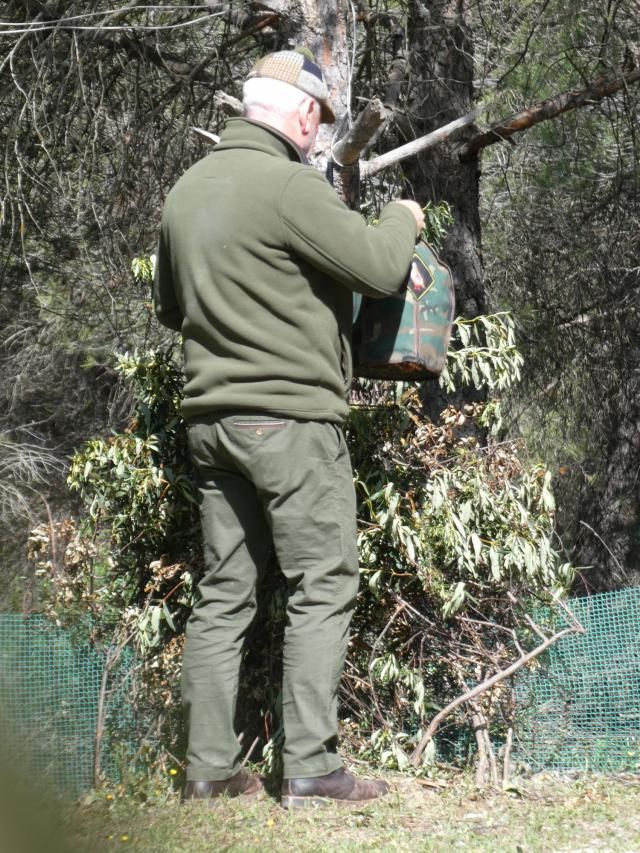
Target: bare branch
{"points": [[347, 151], [391, 158], [163, 59], [135, 48], [574, 628], [595, 90]]}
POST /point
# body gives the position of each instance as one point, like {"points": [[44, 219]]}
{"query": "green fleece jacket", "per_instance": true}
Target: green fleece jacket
{"points": [[256, 265]]}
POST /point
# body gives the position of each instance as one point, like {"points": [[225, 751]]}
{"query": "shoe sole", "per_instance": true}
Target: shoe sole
{"points": [[292, 802], [252, 795]]}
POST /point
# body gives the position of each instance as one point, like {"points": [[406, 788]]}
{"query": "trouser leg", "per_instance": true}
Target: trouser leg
{"points": [[310, 505], [236, 547]]}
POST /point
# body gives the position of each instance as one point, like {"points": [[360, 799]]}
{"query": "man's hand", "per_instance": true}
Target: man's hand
{"points": [[415, 208]]}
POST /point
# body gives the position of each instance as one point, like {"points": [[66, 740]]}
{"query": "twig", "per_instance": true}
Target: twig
{"points": [[611, 554], [486, 685], [113, 655], [250, 751], [534, 627], [506, 763]]}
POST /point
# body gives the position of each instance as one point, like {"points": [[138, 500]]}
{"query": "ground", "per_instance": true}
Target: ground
{"points": [[542, 813]]}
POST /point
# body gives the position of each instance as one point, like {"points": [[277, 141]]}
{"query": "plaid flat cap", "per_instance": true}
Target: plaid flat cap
{"points": [[298, 70]]}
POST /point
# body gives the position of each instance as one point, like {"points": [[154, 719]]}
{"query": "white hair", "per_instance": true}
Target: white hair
{"points": [[273, 95]]}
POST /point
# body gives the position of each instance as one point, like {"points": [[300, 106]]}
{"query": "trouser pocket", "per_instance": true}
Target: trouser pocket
{"points": [[257, 423]]}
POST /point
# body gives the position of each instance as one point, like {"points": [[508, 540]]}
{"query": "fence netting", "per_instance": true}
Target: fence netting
{"points": [[51, 692], [579, 707]]}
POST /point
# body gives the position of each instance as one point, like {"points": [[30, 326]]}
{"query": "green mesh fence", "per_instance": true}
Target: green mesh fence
{"points": [[579, 709], [51, 688]]}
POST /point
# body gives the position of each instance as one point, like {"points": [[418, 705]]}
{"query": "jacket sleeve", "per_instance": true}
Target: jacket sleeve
{"points": [[321, 229], [165, 303]]}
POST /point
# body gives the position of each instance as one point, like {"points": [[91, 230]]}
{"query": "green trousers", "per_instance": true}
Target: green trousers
{"points": [[268, 482]]}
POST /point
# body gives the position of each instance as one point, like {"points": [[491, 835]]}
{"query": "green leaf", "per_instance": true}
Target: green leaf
{"points": [[167, 615], [494, 562], [477, 545]]}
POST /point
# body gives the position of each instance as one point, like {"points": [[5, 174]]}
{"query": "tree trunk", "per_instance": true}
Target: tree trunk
{"points": [[441, 90], [441, 74]]}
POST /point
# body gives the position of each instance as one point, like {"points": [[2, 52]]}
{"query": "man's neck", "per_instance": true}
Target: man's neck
{"points": [[281, 135], [286, 125]]}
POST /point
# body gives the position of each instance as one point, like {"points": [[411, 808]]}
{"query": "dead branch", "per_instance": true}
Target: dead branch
{"points": [[595, 90], [574, 628], [250, 751], [347, 151], [410, 149], [228, 103], [112, 657]]}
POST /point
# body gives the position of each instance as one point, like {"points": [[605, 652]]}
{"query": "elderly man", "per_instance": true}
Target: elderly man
{"points": [[257, 262]]}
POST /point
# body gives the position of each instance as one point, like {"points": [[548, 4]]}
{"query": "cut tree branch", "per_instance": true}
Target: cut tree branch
{"points": [[347, 151], [594, 91], [232, 106], [410, 149], [345, 154]]}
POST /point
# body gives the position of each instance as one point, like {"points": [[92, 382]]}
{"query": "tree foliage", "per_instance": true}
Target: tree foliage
{"points": [[561, 222], [454, 531]]}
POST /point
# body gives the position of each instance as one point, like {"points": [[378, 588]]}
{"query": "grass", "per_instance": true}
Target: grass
{"points": [[544, 813]]}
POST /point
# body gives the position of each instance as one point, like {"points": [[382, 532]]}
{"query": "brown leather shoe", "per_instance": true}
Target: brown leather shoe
{"points": [[241, 785], [339, 787]]}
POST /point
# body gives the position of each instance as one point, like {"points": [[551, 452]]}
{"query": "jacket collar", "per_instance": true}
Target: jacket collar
{"points": [[247, 133]]}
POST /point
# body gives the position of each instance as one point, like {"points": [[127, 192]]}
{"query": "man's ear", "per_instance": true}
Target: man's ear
{"points": [[306, 111]]}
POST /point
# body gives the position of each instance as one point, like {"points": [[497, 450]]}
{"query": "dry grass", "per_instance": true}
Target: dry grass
{"points": [[544, 813]]}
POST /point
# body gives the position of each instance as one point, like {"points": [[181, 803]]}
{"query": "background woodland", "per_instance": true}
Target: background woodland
{"points": [[534, 201]]}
